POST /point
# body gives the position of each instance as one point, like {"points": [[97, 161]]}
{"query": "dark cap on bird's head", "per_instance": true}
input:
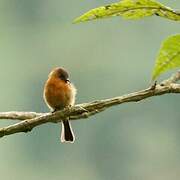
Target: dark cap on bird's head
{"points": [[61, 73]]}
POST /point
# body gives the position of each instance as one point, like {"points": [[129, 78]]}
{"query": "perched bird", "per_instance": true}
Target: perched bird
{"points": [[59, 93]]}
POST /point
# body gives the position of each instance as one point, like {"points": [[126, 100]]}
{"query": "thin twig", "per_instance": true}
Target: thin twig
{"points": [[14, 115], [173, 79]]}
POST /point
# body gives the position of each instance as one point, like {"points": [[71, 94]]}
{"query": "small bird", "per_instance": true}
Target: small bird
{"points": [[59, 93]]}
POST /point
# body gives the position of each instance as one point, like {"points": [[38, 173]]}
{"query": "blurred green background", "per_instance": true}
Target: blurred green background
{"points": [[106, 58]]}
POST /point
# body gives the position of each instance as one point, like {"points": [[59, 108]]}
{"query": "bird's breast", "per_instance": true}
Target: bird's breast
{"points": [[59, 94]]}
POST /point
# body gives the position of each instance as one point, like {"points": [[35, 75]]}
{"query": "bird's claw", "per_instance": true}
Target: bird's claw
{"points": [[82, 108]]}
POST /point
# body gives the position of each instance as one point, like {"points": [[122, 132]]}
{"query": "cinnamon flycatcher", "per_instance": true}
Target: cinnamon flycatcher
{"points": [[60, 93]]}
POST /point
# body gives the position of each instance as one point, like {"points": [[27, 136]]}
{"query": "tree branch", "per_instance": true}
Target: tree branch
{"points": [[29, 120], [14, 115], [173, 79]]}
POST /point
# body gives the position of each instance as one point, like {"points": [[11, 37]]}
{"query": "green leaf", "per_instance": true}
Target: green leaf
{"points": [[169, 56], [130, 9]]}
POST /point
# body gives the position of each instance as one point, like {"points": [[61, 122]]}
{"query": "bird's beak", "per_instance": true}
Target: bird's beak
{"points": [[67, 80]]}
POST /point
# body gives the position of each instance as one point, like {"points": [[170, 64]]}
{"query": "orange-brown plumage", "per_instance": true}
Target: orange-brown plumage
{"points": [[59, 93]]}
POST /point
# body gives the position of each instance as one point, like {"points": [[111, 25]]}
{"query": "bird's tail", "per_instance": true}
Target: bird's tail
{"points": [[67, 134]]}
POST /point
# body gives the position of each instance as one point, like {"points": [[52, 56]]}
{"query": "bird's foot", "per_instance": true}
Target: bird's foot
{"points": [[82, 108]]}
